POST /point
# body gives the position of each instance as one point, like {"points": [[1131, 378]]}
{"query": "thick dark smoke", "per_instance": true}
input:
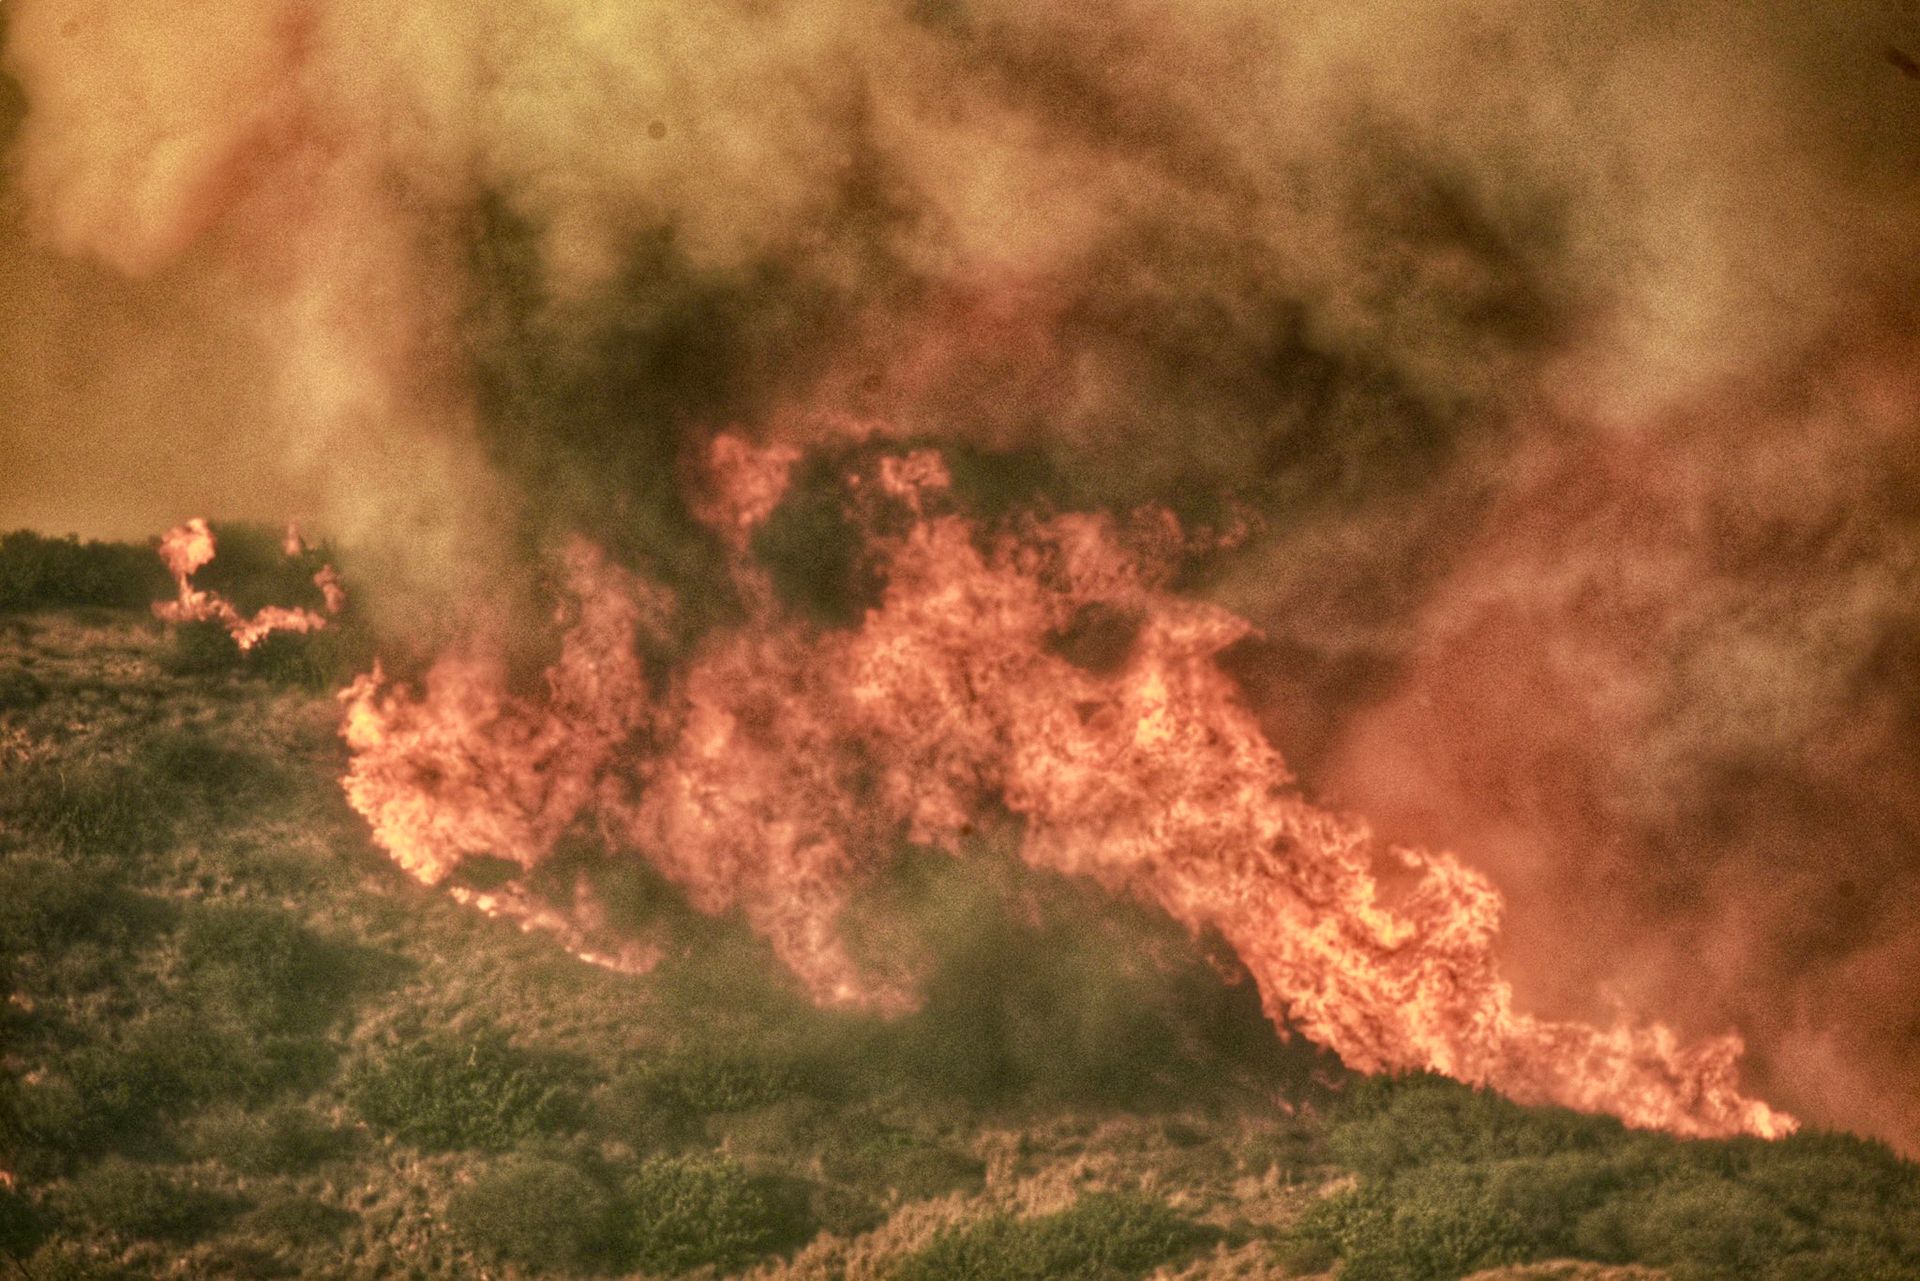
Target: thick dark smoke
{"points": [[1548, 376]]}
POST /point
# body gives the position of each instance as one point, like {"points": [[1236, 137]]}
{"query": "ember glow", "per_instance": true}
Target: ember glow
{"points": [[190, 547], [782, 763]]}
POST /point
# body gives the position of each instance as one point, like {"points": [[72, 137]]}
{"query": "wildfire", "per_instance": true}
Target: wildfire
{"points": [[783, 763], [189, 547]]}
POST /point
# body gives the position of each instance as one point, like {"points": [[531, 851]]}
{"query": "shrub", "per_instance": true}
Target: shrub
{"points": [[710, 1083], [479, 1092], [191, 768], [123, 808], [37, 571], [1434, 1225], [1038, 986], [1710, 1223], [1387, 1124], [1551, 1194], [1104, 1237], [288, 1139], [119, 1092], [538, 1213], [20, 1227], [684, 1212], [69, 1261], [298, 1220], [903, 1165], [261, 965], [664, 1100], [20, 690], [318, 662], [49, 905], [1456, 1179], [203, 648], [139, 1201], [105, 1096], [94, 807]]}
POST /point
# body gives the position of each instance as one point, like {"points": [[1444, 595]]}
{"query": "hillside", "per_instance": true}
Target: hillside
{"points": [[239, 1042]]}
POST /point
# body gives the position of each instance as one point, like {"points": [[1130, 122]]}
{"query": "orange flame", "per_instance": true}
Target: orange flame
{"points": [[783, 763], [188, 548]]}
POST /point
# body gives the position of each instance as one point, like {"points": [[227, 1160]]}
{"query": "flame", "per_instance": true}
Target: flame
{"points": [[782, 764], [188, 548]]}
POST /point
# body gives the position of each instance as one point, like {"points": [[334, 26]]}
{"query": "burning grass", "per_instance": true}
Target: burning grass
{"points": [[240, 1042], [1035, 675]]}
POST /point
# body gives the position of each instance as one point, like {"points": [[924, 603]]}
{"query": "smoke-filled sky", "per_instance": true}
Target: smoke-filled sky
{"points": [[1548, 371]]}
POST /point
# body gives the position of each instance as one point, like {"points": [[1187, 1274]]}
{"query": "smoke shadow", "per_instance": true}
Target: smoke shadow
{"points": [[1032, 988]]}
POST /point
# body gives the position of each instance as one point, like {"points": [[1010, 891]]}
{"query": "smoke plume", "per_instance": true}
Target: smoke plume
{"points": [[1538, 385]]}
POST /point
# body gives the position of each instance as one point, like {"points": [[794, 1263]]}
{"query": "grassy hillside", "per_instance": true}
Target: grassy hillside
{"points": [[238, 1043]]}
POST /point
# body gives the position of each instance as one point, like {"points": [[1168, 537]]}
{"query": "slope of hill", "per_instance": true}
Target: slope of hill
{"points": [[239, 1043]]}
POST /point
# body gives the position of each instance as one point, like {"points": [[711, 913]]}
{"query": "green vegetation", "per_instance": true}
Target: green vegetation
{"points": [[684, 1212], [899, 1163], [239, 1042], [705, 1083], [138, 1201], [1108, 1237], [477, 1091], [250, 568], [538, 1213], [260, 966], [20, 1227], [665, 1215], [130, 802], [1455, 1180], [287, 1138], [38, 572], [298, 1220]]}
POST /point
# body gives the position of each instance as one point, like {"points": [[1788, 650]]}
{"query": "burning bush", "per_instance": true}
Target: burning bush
{"points": [[242, 609], [1038, 675]]}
